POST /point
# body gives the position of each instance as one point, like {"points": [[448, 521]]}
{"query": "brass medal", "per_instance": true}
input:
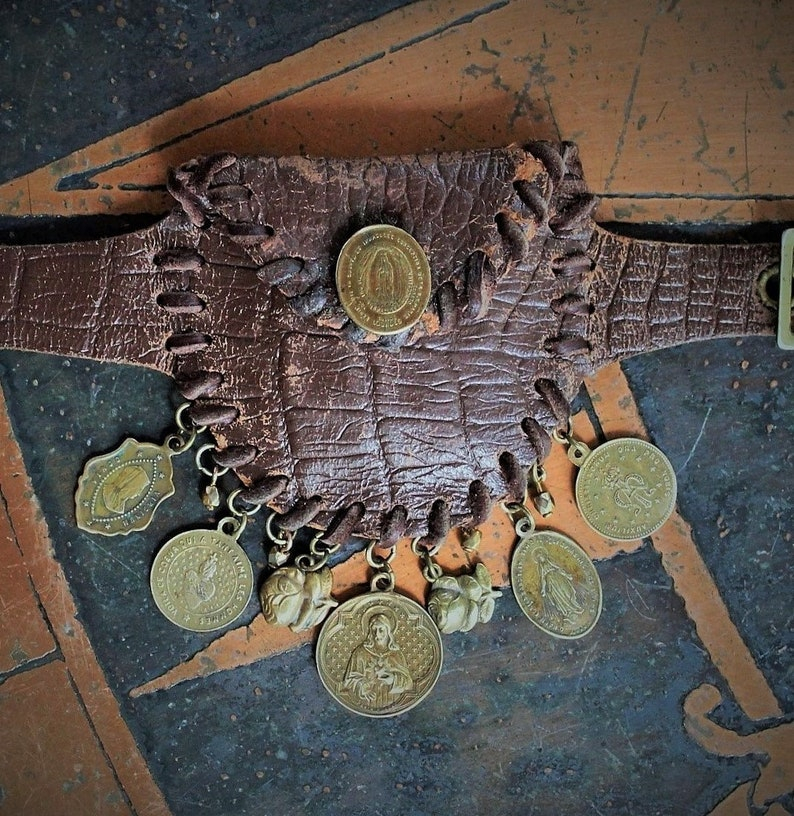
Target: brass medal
{"points": [[625, 489], [379, 654], [383, 279], [202, 580], [555, 583], [118, 492]]}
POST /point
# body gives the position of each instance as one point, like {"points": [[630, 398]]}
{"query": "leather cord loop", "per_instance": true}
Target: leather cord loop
{"points": [[393, 527]]}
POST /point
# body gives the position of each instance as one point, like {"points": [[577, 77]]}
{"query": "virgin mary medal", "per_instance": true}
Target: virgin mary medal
{"points": [[553, 579]]}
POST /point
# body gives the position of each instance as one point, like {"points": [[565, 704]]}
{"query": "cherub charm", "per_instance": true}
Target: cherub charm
{"points": [[297, 598], [457, 603]]}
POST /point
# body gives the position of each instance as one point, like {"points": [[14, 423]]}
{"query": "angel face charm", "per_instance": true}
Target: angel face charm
{"points": [[458, 602], [296, 598]]}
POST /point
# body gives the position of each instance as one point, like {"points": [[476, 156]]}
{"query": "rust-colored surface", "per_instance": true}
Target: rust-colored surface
{"points": [[682, 111], [24, 635], [54, 764], [100, 718]]}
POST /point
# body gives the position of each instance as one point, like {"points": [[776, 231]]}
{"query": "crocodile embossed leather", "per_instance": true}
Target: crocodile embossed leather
{"points": [[233, 295]]}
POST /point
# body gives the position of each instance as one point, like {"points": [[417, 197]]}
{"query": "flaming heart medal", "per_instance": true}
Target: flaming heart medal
{"points": [[625, 488], [202, 580], [119, 492], [379, 654], [383, 279], [554, 581]]}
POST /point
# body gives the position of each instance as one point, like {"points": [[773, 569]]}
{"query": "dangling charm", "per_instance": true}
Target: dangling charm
{"points": [[542, 499], [457, 602], [625, 489], [379, 654], [119, 492], [202, 580], [554, 580], [299, 595], [210, 495]]}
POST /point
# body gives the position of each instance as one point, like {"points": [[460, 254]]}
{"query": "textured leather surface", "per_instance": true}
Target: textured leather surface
{"points": [[649, 295], [526, 290]]}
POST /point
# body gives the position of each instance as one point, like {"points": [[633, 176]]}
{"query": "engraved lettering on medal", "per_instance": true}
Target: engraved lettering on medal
{"points": [[626, 489], [383, 279], [201, 580]]}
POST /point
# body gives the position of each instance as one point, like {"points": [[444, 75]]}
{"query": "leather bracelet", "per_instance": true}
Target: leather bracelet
{"points": [[233, 295]]}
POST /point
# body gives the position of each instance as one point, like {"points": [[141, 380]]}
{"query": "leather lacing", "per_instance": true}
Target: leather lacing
{"points": [[547, 204]]}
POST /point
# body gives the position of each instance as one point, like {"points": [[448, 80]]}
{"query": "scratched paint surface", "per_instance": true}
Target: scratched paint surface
{"points": [[683, 112], [730, 438], [518, 720]]}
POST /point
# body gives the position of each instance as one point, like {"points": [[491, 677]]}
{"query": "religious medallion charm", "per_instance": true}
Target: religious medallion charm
{"points": [[457, 602], [625, 489], [383, 279], [379, 654], [298, 595], [554, 580], [118, 492], [202, 580]]}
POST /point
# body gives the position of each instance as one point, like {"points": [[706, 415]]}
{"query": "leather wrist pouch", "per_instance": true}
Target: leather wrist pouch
{"points": [[235, 295]]}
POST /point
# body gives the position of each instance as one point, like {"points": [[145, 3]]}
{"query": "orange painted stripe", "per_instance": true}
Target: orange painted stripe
{"points": [[24, 635], [53, 591], [471, 74], [618, 414], [259, 640]]}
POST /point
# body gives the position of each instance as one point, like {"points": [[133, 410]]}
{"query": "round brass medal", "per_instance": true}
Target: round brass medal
{"points": [[379, 654], [201, 580], [556, 584], [626, 489], [383, 279]]}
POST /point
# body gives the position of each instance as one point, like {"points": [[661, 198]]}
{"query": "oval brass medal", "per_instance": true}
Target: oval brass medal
{"points": [[556, 584], [383, 279], [626, 489], [201, 580], [379, 654]]}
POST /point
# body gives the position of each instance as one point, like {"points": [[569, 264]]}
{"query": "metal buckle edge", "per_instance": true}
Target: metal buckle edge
{"points": [[785, 335]]}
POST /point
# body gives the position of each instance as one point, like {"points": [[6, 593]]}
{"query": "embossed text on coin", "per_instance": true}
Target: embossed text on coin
{"points": [[383, 279], [201, 580], [626, 489]]}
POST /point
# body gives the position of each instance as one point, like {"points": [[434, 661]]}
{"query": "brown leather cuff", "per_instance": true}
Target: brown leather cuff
{"points": [[234, 295]]}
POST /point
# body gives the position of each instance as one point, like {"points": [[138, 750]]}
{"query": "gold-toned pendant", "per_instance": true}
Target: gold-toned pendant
{"points": [[297, 595], [625, 488], [554, 581], [379, 654], [383, 279], [457, 602], [118, 492], [202, 580]]}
